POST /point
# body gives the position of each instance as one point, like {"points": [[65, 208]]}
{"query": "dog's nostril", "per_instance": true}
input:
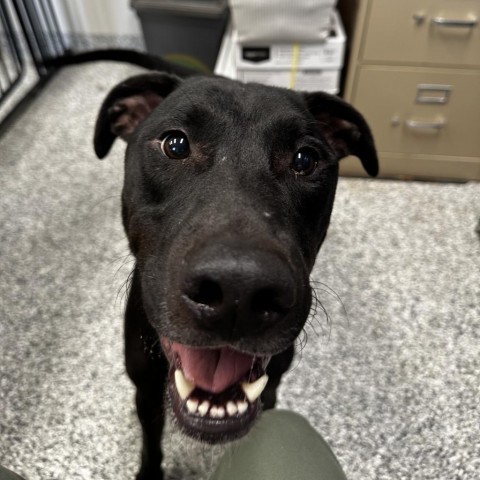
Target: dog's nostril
{"points": [[207, 292]]}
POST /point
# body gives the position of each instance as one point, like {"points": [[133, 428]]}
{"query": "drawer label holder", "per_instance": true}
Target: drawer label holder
{"points": [[433, 94]]}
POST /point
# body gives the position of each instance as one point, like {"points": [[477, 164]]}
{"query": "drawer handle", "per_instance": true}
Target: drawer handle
{"points": [[462, 23], [417, 125]]}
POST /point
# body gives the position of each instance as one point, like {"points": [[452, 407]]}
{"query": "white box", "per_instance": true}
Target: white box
{"points": [[321, 78], [309, 80], [225, 65], [326, 54], [273, 21]]}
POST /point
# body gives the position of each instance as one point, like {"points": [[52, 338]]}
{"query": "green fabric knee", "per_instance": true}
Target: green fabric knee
{"points": [[8, 475], [282, 445]]}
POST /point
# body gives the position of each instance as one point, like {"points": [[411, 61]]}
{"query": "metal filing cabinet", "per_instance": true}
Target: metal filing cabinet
{"points": [[414, 72]]}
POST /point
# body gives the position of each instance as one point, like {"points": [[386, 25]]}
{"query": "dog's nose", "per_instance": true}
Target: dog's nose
{"points": [[238, 291]]}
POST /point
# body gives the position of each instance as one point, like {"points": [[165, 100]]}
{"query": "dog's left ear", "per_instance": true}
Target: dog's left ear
{"points": [[128, 105], [344, 128]]}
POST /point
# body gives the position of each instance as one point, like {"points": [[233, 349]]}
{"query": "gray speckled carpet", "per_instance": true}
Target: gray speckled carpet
{"points": [[393, 382]]}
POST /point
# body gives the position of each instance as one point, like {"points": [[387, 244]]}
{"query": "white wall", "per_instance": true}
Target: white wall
{"points": [[97, 17]]}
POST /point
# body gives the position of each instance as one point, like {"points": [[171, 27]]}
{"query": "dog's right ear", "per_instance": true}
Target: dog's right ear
{"points": [[128, 105]]}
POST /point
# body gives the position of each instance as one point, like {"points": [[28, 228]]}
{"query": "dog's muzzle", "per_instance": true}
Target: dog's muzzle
{"points": [[228, 295]]}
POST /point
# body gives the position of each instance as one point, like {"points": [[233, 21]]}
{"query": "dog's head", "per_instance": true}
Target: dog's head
{"points": [[227, 198]]}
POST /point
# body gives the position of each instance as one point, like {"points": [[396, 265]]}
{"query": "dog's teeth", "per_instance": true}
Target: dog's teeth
{"points": [[242, 407], [192, 405], [217, 412], [232, 408], [254, 390], [203, 408], [184, 386]]}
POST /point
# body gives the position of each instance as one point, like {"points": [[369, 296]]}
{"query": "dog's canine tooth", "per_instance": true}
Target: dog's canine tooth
{"points": [[231, 408], [192, 405], [254, 390], [184, 386], [242, 407], [203, 408]]}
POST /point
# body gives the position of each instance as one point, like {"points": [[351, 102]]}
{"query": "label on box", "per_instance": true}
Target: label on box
{"points": [[308, 55], [307, 80]]}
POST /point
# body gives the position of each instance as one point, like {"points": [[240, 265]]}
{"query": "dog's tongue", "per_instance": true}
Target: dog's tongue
{"points": [[213, 370]]}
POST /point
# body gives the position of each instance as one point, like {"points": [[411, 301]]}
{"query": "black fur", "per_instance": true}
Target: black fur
{"points": [[233, 213]]}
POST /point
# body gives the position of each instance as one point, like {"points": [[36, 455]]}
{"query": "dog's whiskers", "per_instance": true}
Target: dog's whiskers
{"points": [[302, 340], [107, 199], [125, 287], [329, 291], [318, 307], [123, 261]]}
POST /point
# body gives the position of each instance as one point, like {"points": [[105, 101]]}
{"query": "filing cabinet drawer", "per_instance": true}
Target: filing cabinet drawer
{"points": [[423, 32], [421, 111], [407, 167]]}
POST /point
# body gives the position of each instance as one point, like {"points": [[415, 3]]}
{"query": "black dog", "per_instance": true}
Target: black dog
{"points": [[227, 198]]}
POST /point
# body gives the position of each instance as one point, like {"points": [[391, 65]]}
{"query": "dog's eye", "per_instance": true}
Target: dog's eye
{"points": [[175, 145], [304, 161]]}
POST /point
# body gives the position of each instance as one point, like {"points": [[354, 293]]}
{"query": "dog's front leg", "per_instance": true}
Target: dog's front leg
{"points": [[151, 415], [148, 369]]}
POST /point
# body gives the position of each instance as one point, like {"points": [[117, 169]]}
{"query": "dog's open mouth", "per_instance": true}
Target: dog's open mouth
{"points": [[215, 392]]}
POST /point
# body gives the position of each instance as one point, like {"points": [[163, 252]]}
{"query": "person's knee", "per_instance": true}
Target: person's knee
{"points": [[282, 445], [282, 419], [6, 474]]}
